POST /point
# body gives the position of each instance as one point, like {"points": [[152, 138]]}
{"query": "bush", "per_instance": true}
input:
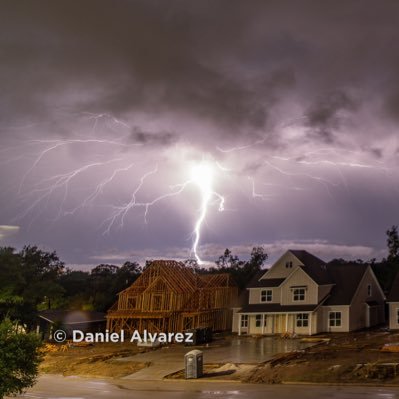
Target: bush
{"points": [[19, 359]]}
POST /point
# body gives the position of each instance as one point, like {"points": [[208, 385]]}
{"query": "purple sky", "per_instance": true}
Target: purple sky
{"points": [[107, 106]]}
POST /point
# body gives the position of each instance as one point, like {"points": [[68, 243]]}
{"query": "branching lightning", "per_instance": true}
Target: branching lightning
{"points": [[106, 171]]}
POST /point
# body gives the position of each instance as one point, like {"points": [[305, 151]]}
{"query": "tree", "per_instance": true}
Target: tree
{"points": [[19, 359], [242, 271], [28, 279], [393, 243], [228, 260]]}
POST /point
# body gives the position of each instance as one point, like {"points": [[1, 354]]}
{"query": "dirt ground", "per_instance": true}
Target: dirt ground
{"points": [[346, 358], [221, 371], [97, 360]]}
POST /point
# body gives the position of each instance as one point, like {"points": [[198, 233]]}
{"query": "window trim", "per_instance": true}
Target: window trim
{"points": [[266, 295], [332, 321], [302, 320], [297, 297], [244, 321]]}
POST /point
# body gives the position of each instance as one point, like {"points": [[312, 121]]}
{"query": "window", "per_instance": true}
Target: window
{"points": [[302, 320], [258, 322], [244, 320], [132, 302], [288, 264], [369, 290], [397, 316], [298, 294], [335, 319], [266, 295]]}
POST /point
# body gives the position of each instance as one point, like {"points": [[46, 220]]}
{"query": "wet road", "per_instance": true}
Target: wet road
{"points": [[245, 349], [57, 387]]}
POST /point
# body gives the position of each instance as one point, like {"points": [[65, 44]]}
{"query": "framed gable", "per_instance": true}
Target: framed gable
{"points": [[159, 285]]}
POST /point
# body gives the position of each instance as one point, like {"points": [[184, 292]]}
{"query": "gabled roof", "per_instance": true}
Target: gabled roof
{"points": [[266, 282], [178, 278], [257, 282], [314, 267], [276, 308], [346, 278], [394, 293]]}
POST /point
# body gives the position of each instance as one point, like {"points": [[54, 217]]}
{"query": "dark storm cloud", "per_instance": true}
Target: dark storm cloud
{"points": [[324, 117], [159, 138], [224, 61]]}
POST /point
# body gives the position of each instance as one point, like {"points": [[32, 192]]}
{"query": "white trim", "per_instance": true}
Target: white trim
{"points": [[288, 312], [328, 318], [260, 295], [277, 261]]}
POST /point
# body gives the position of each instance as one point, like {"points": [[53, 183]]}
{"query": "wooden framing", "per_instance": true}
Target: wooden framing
{"points": [[170, 297]]}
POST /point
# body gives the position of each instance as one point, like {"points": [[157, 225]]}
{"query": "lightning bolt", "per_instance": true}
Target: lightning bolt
{"points": [[311, 165]]}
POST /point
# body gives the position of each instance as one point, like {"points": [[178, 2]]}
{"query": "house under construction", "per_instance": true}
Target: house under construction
{"points": [[170, 297]]}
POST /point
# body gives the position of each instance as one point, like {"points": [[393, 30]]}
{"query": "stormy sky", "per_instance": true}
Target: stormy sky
{"points": [[106, 108]]}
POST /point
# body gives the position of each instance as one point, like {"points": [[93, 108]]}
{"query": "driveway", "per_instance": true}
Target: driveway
{"points": [[57, 387], [236, 349]]}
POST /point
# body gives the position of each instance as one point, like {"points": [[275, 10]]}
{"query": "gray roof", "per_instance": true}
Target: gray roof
{"points": [[266, 282], [276, 308], [394, 293], [346, 278], [313, 266]]}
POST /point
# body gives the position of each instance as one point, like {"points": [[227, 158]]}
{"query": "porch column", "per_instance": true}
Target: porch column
{"points": [[239, 324], [310, 323], [286, 322], [263, 323]]}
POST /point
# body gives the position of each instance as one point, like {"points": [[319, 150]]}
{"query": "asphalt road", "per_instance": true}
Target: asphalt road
{"points": [[57, 387]]}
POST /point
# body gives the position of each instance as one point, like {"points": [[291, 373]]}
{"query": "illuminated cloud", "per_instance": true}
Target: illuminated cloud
{"points": [[7, 231]]}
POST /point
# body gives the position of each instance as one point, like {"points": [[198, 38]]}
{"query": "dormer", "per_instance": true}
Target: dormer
{"points": [[283, 267]]}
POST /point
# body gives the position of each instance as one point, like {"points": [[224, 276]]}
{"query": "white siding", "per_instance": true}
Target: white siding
{"points": [[344, 309], [279, 269], [255, 295], [393, 315], [299, 278]]}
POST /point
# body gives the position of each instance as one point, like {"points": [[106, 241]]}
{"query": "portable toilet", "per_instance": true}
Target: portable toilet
{"points": [[193, 364]]}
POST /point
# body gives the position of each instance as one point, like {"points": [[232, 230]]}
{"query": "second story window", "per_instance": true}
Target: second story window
{"points": [[298, 294], [369, 292], [266, 295]]}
